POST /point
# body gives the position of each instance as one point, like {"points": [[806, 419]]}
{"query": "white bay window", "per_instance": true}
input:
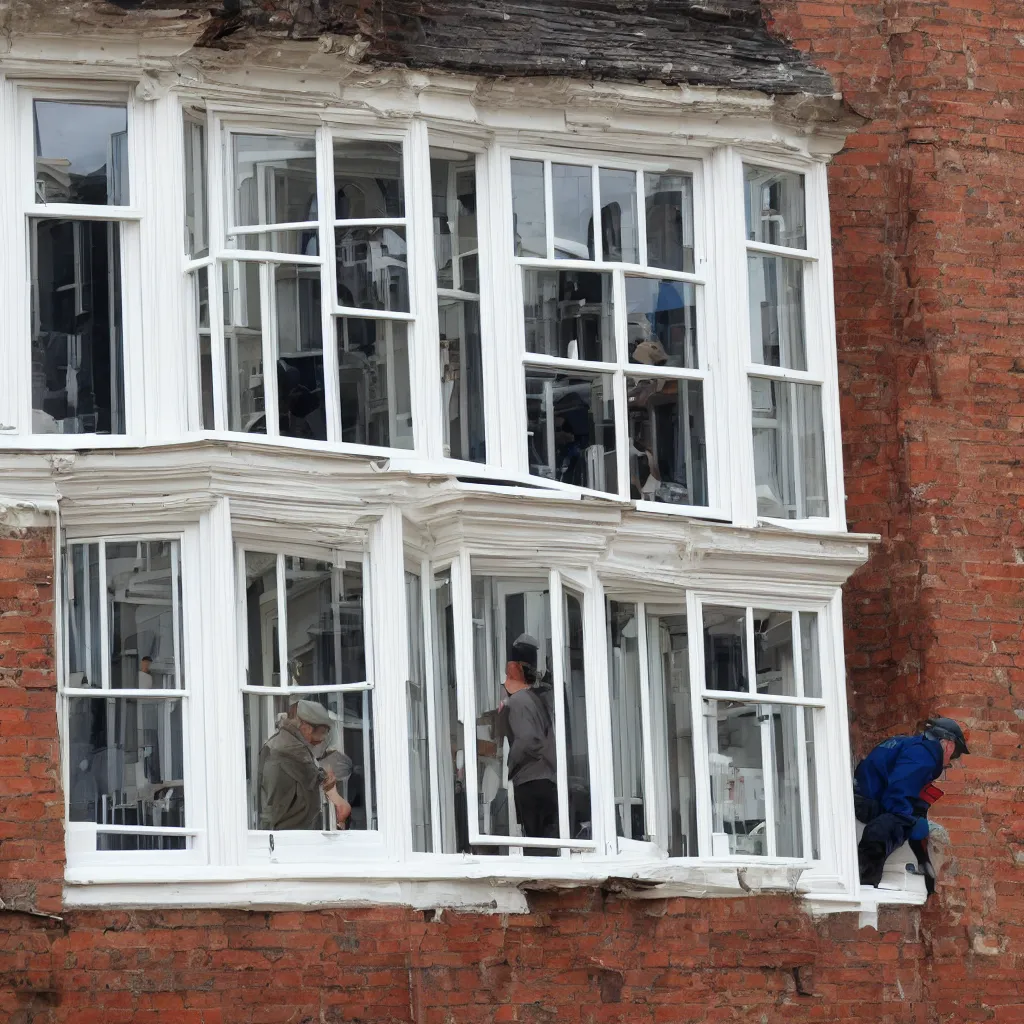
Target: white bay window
{"points": [[411, 386]]}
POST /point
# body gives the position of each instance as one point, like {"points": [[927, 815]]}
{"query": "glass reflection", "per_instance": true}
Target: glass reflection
{"points": [[668, 459], [789, 449], [300, 355], [529, 223], [462, 381], [672, 729], [620, 240], [144, 614], [741, 739], [243, 347], [197, 241], [661, 319], [81, 152], [451, 761], [368, 180], [776, 296], [82, 597], [669, 211], [273, 179], [627, 724], [775, 206], [572, 198], [417, 717], [372, 268], [126, 764], [373, 371], [77, 356], [453, 197], [577, 755], [773, 652], [569, 313], [725, 649], [571, 428]]}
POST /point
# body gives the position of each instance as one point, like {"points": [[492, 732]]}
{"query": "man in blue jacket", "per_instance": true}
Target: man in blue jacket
{"points": [[890, 798]]}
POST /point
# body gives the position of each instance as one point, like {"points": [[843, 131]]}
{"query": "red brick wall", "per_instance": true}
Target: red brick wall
{"points": [[926, 206]]}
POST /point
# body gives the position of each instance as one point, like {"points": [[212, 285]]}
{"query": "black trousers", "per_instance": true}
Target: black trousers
{"points": [[883, 833], [537, 811]]}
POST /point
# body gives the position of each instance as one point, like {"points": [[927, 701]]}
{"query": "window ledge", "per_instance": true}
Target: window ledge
{"points": [[469, 883]]}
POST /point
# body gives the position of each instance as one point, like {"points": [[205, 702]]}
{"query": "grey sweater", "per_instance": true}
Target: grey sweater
{"points": [[524, 719]]}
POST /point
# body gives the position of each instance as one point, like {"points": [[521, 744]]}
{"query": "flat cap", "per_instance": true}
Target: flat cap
{"points": [[313, 713]]}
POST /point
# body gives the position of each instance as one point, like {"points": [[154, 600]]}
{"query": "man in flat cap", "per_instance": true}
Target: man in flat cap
{"points": [[292, 779], [524, 719]]}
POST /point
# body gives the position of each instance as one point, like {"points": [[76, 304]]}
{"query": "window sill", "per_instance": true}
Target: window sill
{"points": [[490, 884]]}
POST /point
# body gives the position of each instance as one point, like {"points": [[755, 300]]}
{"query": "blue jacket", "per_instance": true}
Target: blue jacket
{"points": [[895, 772]]}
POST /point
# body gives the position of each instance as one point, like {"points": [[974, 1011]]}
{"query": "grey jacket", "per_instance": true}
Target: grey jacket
{"points": [[524, 719], [290, 796]]}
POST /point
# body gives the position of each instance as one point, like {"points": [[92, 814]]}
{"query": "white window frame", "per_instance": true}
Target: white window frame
{"points": [[327, 844], [81, 836], [222, 126], [710, 339], [819, 327], [24, 208]]}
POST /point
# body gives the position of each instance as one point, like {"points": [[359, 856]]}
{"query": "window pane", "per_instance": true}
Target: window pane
{"points": [[261, 619], [418, 715], [126, 763], [662, 322], [84, 642], [324, 622], [373, 370], [305, 242], [81, 152], [810, 654], [569, 313], [773, 652], [669, 203], [725, 648], [201, 295], [368, 180], [667, 442], [776, 297], [789, 449], [741, 739], [627, 724], [672, 731], [451, 753], [577, 752], [300, 352], [284, 769], [274, 179], [453, 189], [144, 614], [774, 203], [619, 237], [570, 428], [529, 224], [462, 379], [810, 718], [373, 270], [516, 781], [197, 240], [572, 196], [243, 347], [77, 361]]}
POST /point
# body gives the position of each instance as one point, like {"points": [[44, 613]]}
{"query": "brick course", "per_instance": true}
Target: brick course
{"points": [[929, 265]]}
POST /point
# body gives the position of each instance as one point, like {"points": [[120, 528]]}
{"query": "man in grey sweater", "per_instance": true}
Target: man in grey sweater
{"points": [[524, 719]]}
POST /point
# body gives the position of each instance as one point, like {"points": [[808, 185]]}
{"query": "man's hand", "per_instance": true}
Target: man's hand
{"points": [[330, 782]]}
